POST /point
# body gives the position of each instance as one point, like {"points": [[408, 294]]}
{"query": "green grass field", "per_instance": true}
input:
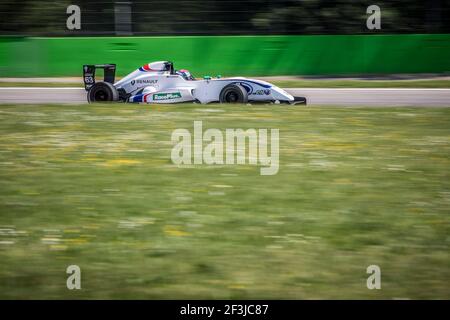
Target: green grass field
{"points": [[94, 185]]}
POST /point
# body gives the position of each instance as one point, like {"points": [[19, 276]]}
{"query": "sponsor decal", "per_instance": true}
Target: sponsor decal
{"points": [[143, 81], [261, 92], [166, 96]]}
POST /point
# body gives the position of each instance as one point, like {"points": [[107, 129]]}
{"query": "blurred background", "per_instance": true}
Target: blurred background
{"points": [[222, 17], [285, 37]]}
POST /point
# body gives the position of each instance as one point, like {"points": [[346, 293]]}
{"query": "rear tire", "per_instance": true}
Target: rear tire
{"points": [[233, 93], [102, 92]]}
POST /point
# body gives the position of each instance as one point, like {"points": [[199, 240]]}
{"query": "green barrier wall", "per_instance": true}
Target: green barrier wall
{"points": [[231, 55]]}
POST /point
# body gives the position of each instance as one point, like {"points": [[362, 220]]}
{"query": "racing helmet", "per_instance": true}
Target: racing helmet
{"points": [[185, 74]]}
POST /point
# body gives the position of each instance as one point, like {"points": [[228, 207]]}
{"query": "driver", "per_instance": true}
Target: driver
{"points": [[185, 74]]}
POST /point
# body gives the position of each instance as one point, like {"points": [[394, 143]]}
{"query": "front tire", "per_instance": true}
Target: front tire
{"points": [[233, 93], [102, 92]]}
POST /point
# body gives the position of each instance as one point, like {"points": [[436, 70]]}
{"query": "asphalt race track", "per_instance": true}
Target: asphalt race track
{"points": [[315, 96]]}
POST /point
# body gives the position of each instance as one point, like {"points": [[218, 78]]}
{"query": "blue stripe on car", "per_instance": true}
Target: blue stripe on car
{"points": [[138, 98], [244, 81]]}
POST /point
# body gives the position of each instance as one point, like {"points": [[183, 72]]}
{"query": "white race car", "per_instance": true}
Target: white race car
{"points": [[159, 82]]}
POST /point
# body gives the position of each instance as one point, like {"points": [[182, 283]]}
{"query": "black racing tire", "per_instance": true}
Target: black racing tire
{"points": [[102, 92], [233, 93]]}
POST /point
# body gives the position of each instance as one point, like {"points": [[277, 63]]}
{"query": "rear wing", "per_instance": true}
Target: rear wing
{"points": [[109, 71]]}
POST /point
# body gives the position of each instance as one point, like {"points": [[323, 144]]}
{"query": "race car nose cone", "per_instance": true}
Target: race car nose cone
{"points": [[280, 94]]}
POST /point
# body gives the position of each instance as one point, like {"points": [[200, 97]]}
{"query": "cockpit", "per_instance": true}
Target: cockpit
{"points": [[166, 66]]}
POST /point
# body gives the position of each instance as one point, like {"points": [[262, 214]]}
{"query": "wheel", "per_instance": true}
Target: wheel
{"points": [[102, 92], [233, 93]]}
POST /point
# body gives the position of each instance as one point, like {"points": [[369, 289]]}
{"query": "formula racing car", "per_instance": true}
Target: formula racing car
{"points": [[159, 82]]}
